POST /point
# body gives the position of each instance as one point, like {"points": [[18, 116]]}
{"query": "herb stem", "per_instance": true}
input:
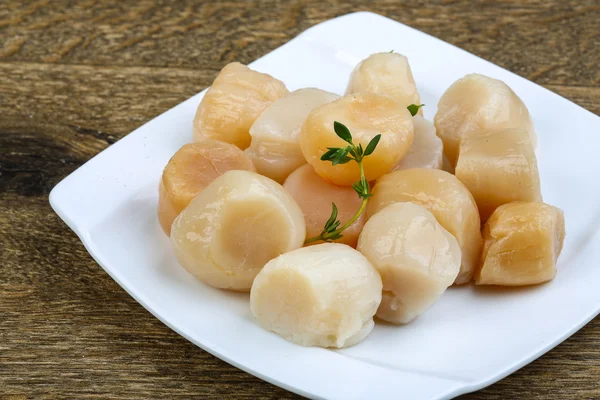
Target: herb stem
{"points": [[325, 235], [363, 205], [313, 239], [362, 170]]}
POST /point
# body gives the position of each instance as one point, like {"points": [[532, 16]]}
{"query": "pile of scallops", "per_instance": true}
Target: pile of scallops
{"points": [[450, 202]]}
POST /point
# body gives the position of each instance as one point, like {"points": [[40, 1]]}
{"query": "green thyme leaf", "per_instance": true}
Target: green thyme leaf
{"points": [[329, 154], [353, 151], [391, 51], [341, 160], [360, 152], [341, 157], [336, 155], [365, 184], [372, 144], [414, 109], [334, 226], [332, 219], [335, 237], [342, 131], [362, 188]]}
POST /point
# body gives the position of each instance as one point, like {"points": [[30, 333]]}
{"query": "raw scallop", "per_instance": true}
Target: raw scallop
{"points": [[190, 169], [233, 227], [323, 295], [314, 195], [427, 150], [234, 101], [478, 103], [417, 259], [385, 73], [274, 148], [366, 115], [522, 241], [498, 167], [445, 197]]}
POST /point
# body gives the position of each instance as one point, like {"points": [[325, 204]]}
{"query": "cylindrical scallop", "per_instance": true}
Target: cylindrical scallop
{"points": [[385, 73], [522, 241], [233, 227], [417, 259], [314, 195], [275, 149], [234, 101], [191, 168], [427, 150], [323, 295], [366, 115], [498, 167], [478, 103], [445, 197]]}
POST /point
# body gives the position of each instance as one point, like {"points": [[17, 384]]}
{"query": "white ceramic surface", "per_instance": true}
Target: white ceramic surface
{"points": [[471, 338]]}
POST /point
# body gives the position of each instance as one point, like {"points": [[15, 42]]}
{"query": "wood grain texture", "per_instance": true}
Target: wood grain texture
{"points": [[77, 76]]}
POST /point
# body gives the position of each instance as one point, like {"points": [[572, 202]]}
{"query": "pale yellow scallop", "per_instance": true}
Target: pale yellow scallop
{"points": [[385, 73], [498, 167], [275, 149], [234, 101], [417, 259], [477, 103], [522, 241], [427, 150], [233, 227], [324, 295], [445, 197]]}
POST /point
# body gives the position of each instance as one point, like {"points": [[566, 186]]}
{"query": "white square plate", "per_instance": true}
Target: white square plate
{"points": [[470, 339]]}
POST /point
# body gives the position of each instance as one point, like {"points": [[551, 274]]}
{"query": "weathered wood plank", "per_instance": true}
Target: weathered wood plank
{"points": [[75, 76]]}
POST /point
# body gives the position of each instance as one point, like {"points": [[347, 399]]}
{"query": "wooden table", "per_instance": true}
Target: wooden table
{"points": [[77, 76]]}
